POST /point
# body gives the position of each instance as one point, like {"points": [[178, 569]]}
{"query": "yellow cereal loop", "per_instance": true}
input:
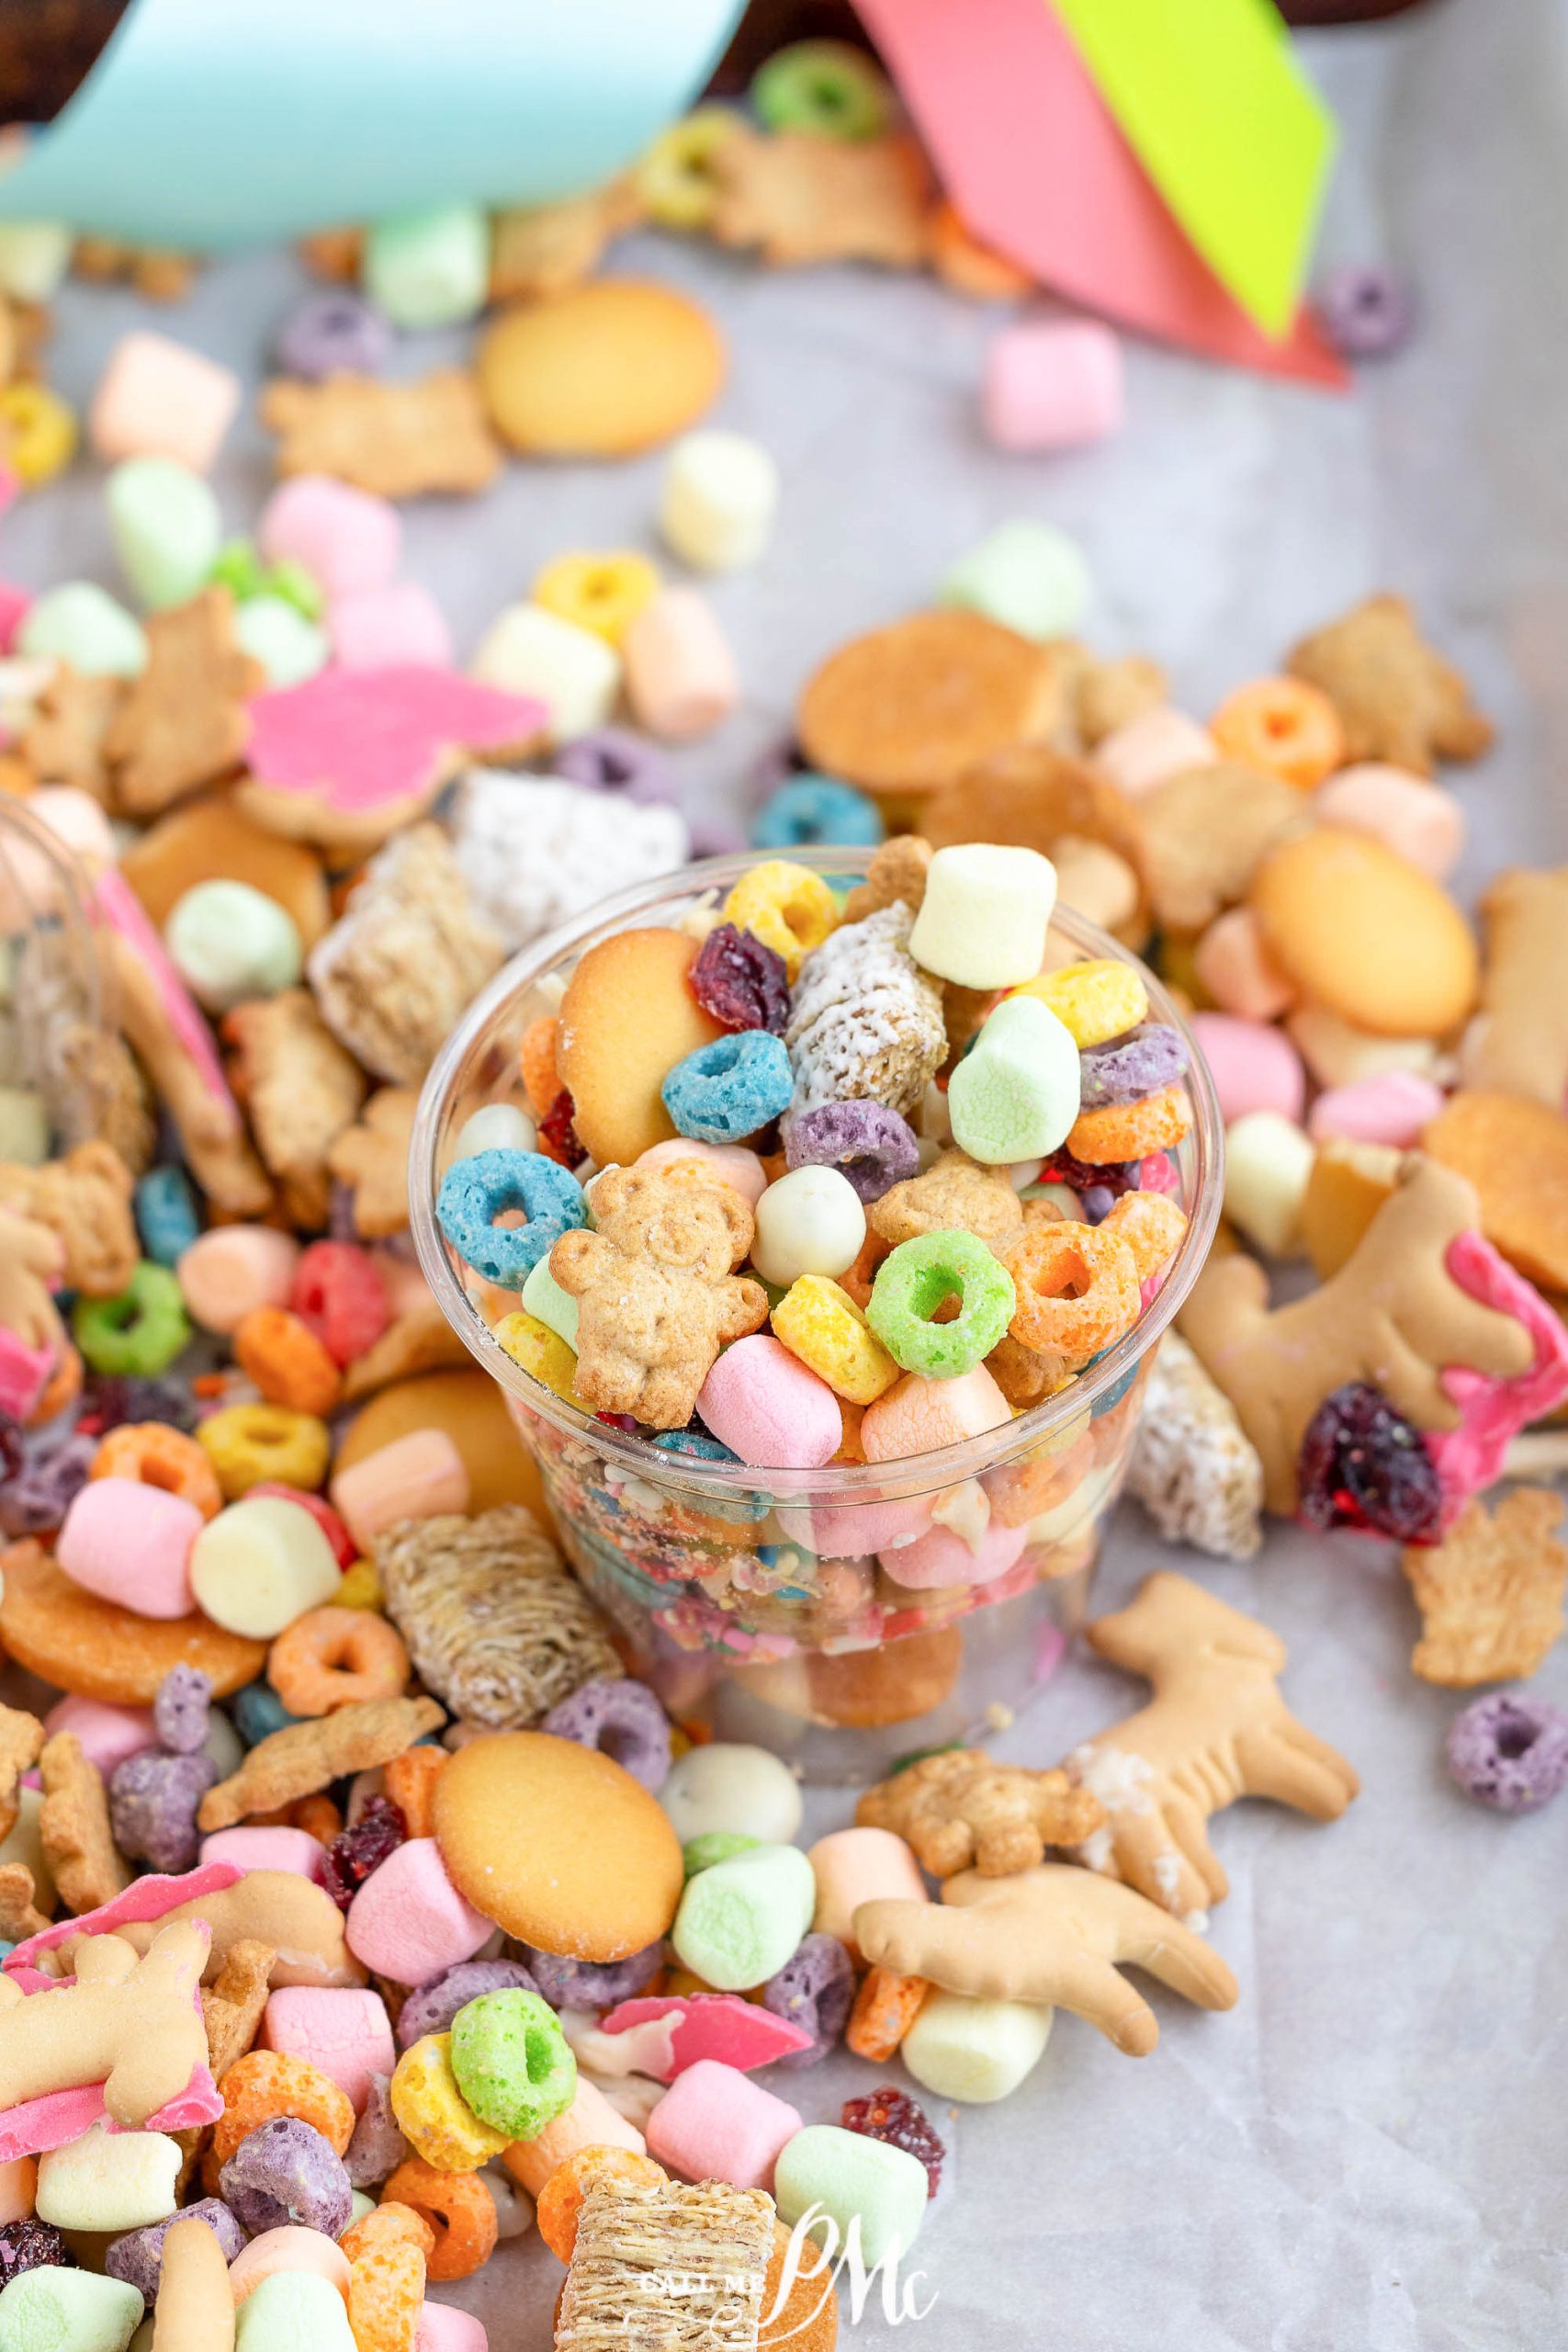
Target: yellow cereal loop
{"points": [[37, 433], [246, 1443], [432, 2114], [1093, 1000], [821, 1323], [360, 1587], [601, 592], [787, 907], [542, 1353], [675, 177]]}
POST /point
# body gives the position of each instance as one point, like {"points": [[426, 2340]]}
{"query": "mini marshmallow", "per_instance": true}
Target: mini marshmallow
{"points": [[289, 2248], [34, 258], [542, 1295], [131, 1544], [589, 2122], [1157, 744], [767, 1408], [107, 1734], [848, 2175], [231, 1270], [159, 398], [1254, 1068], [724, 1786], [855, 1866], [1268, 1162], [343, 2031], [409, 1922], [1052, 384], [442, 2327], [1393, 1109], [81, 622], [108, 2180], [741, 1920], [985, 915], [1026, 575], [417, 1477], [1235, 966], [428, 268], [294, 2311], [166, 527], [940, 1558], [919, 1415], [680, 675], [74, 2310], [260, 1564], [269, 1847], [1419, 821], [715, 2123], [717, 500], [974, 2051], [575, 675], [348, 541], [378, 628]]}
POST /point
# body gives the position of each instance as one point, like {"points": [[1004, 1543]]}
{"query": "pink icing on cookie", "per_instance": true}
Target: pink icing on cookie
{"points": [[123, 911], [357, 739], [1494, 1410], [145, 1898], [711, 2025], [36, 2125], [24, 1374]]}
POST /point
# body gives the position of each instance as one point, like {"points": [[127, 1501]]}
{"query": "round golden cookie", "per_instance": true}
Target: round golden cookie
{"points": [[1515, 1152], [627, 1017], [97, 1650], [212, 840], [910, 709], [470, 1409], [558, 1844], [1365, 935], [601, 370]]}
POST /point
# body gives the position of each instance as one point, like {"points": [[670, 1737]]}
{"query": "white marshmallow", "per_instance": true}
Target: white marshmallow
{"points": [[108, 2180], [1268, 1162], [498, 1127], [718, 499], [974, 2051], [575, 675], [34, 258], [985, 915]]}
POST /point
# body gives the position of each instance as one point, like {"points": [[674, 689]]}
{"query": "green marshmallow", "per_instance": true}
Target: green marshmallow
{"points": [[847, 2173], [512, 2062], [230, 942], [1015, 1093], [81, 624], [543, 1296], [73, 2310], [1026, 575], [714, 1846], [429, 269], [740, 1920], [293, 2311], [275, 633], [166, 527]]}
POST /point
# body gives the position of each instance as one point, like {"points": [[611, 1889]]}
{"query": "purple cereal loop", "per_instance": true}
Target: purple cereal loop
{"points": [[153, 1803], [612, 759], [815, 1989], [1510, 1751], [377, 2146], [182, 1709], [624, 1721], [593, 1985], [138, 2257], [1142, 1061], [432, 2006], [37, 1495], [864, 1141], [286, 2171], [332, 333]]}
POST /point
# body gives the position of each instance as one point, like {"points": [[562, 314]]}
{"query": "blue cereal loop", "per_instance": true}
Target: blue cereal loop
{"points": [[730, 1089], [165, 1215], [475, 1191], [813, 809]]}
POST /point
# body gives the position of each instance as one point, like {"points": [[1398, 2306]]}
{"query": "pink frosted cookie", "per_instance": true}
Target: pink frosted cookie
{"points": [[709, 2025], [1493, 1411]]}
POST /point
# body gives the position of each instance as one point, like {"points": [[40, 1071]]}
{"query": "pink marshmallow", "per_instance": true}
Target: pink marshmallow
{"points": [[442, 2327], [108, 1735], [344, 2030], [1052, 384], [920, 1415], [731, 1162], [715, 2124], [131, 1544], [159, 398], [1419, 821], [409, 1922], [418, 1477], [1235, 966], [376, 629], [769, 1408], [680, 672], [345, 539], [939, 1558], [270, 1847], [1254, 1068], [289, 2248], [856, 1866], [1157, 744], [1393, 1109], [848, 1530], [231, 1269]]}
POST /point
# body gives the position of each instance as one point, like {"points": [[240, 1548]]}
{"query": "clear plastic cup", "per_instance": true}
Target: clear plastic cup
{"points": [[54, 1001], [765, 1604]]}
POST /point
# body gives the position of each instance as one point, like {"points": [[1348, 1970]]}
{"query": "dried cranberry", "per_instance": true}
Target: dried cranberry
{"points": [[893, 2116], [1115, 1176], [1363, 1465], [742, 983], [379, 1831], [32, 2245], [558, 1137]]}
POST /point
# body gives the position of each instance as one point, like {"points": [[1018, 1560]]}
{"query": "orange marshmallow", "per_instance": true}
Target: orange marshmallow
{"points": [[680, 675], [1157, 744], [1419, 821], [417, 1477], [289, 2248], [589, 2122], [856, 1866], [918, 1416]]}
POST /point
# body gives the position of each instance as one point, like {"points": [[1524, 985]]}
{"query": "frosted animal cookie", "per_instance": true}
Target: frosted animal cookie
{"points": [[1193, 1467], [535, 850], [1216, 1729]]}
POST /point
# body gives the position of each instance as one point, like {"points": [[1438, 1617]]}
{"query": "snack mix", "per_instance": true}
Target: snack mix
{"points": [[401, 1855]]}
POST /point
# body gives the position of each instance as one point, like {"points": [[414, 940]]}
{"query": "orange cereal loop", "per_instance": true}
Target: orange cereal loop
{"points": [[1123, 1131], [1077, 1289], [155, 1456], [392, 2220], [408, 1781], [289, 1363], [536, 1060], [1150, 1224], [337, 1657], [61, 1388], [886, 2008], [319, 1818], [455, 2207], [265, 2083], [1283, 727], [386, 2288], [560, 2201]]}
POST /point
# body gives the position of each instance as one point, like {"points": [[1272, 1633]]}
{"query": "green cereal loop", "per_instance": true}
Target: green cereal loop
{"points": [[714, 1846], [822, 86], [138, 1334], [912, 1282], [511, 2062]]}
